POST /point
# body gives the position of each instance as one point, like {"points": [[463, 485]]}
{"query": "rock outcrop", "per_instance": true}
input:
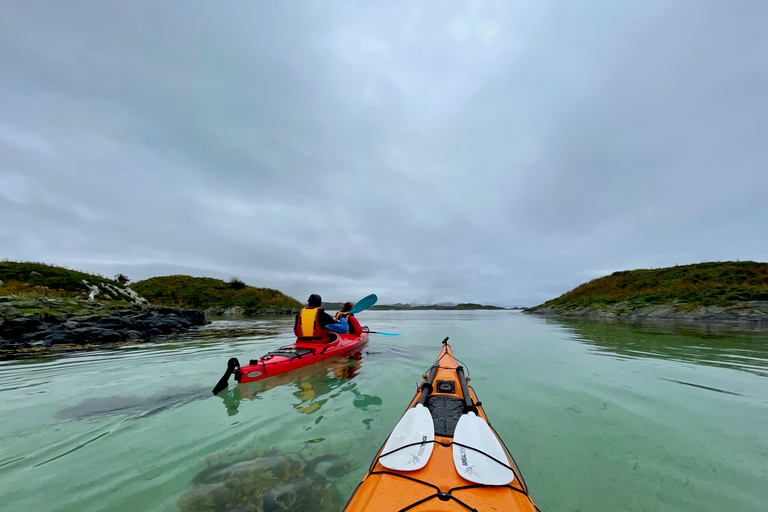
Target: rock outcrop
{"points": [[241, 311], [52, 322], [752, 312]]}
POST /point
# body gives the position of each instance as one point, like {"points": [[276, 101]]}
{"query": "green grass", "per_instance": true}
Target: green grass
{"points": [[38, 279], [205, 292], [703, 284]]}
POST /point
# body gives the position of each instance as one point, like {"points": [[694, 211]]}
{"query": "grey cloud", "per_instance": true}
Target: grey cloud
{"points": [[430, 152]]}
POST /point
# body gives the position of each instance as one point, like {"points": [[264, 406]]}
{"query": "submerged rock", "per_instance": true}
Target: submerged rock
{"points": [[267, 482]]}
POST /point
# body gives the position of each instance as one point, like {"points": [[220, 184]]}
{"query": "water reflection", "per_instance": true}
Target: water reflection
{"points": [[316, 385], [718, 345]]}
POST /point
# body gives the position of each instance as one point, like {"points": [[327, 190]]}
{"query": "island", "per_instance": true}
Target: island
{"points": [[48, 308], [731, 291]]}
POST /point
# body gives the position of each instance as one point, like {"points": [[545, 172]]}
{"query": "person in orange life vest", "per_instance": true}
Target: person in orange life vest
{"points": [[312, 322], [354, 325]]}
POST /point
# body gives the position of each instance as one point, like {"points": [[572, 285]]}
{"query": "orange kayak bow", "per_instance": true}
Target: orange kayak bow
{"points": [[443, 455]]}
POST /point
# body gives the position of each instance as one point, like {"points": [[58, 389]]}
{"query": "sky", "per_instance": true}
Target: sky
{"points": [[429, 152]]}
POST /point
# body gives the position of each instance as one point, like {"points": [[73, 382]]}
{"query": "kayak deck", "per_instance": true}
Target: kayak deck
{"points": [[298, 355], [438, 486]]}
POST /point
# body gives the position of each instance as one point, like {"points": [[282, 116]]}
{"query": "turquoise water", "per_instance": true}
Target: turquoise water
{"points": [[599, 417]]}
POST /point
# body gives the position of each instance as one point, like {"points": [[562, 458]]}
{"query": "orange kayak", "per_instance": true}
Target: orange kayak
{"points": [[443, 455]]}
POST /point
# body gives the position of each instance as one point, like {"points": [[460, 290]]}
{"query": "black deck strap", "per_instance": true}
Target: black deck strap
{"points": [[290, 352], [401, 448], [442, 496], [489, 456]]}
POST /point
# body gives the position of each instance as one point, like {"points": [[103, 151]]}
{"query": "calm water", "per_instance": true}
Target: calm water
{"points": [[599, 417]]}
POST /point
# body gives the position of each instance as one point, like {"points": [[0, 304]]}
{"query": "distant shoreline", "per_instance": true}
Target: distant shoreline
{"points": [[433, 307]]}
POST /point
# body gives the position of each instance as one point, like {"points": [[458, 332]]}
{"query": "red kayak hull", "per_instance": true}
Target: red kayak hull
{"points": [[298, 355]]}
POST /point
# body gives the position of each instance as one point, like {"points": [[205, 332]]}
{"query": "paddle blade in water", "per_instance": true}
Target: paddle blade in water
{"points": [[364, 303], [416, 429], [478, 465]]}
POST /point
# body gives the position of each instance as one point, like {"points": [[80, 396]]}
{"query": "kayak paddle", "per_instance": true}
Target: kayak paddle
{"points": [[364, 303], [384, 333], [411, 442], [477, 452]]}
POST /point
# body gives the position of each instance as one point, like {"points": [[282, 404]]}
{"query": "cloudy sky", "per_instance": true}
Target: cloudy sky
{"points": [[442, 151]]}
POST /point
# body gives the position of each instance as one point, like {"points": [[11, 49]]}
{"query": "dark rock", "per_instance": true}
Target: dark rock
{"points": [[62, 338], [32, 336], [86, 335], [116, 322], [56, 318], [16, 328], [165, 325], [133, 335], [153, 332], [169, 311], [194, 316]]}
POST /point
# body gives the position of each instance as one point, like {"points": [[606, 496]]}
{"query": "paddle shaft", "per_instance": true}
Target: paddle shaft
{"points": [[469, 405], [427, 385]]}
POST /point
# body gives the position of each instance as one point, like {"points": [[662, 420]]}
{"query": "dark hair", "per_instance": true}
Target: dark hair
{"points": [[314, 301], [346, 307]]}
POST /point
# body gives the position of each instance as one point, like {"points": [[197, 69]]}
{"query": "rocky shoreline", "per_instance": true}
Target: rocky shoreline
{"points": [[241, 311], [46, 323], [752, 312]]}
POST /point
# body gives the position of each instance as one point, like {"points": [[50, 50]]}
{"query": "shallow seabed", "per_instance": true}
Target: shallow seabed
{"points": [[599, 417]]}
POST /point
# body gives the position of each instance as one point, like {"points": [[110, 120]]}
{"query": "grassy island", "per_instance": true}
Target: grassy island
{"points": [[29, 279], [704, 288], [205, 292]]}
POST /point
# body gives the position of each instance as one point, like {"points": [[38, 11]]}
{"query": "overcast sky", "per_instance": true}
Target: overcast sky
{"points": [[493, 152]]}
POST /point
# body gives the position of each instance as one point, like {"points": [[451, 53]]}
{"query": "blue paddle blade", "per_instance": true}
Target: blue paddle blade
{"points": [[385, 333], [364, 303]]}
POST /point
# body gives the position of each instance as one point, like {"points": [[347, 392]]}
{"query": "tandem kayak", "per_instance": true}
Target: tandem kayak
{"points": [[289, 358], [443, 455]]}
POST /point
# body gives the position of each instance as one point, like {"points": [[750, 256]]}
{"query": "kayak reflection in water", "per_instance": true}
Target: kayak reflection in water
{"points": [[313, 385]]}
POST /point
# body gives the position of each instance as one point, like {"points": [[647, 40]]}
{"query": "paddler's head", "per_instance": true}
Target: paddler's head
{"points": [[346, 307], [314, 301]]}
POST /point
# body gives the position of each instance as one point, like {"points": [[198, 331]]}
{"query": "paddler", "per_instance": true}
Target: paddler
{"points": [[344, 314], [314, 325]]}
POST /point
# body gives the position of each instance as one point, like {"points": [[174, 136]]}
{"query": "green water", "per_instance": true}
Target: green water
{"points": [[599, 417]]}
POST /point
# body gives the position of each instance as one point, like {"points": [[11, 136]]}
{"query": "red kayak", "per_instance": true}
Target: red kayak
{"points": [[290, 358]]}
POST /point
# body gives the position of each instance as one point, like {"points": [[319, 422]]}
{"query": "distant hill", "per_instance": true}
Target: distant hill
{"points": [[408, 307], [205, 292], [735, 287], [39, 279]]}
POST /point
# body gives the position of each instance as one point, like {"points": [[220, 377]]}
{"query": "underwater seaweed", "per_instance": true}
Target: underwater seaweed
{"points": [[267, 482]]}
